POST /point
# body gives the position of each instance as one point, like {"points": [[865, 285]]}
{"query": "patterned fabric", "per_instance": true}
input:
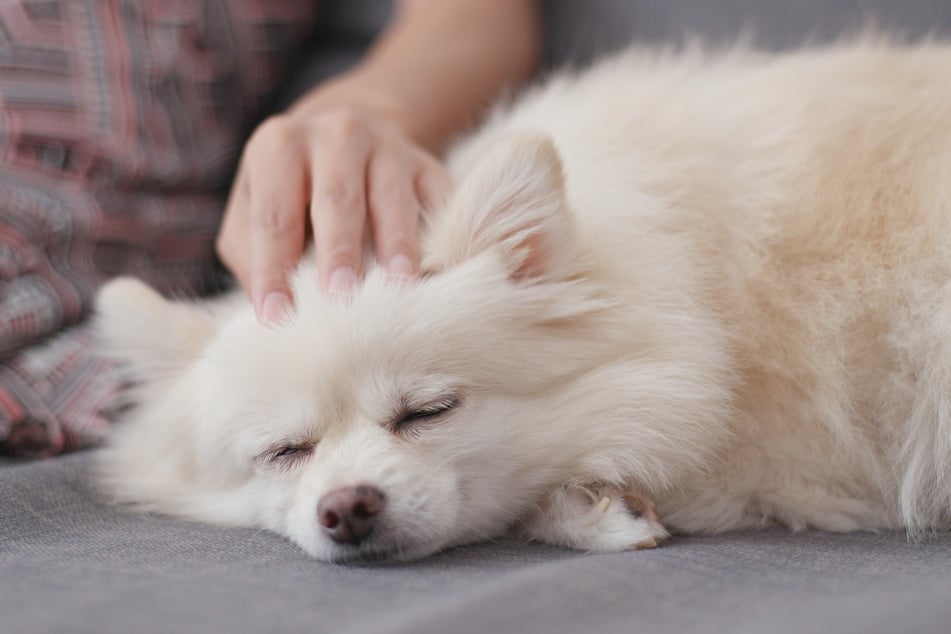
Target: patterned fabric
{"points": [[120, 124]]}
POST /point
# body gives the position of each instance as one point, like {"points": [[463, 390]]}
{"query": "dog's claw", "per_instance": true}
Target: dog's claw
{"points": [[598, 517], [644, 544], [602, 506]]}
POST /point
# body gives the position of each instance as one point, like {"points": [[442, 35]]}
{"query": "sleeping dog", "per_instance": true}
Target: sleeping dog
{"points": [[676, 291]]}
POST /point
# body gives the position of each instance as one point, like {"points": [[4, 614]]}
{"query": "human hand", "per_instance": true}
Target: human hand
{"points": [[343, 171]]}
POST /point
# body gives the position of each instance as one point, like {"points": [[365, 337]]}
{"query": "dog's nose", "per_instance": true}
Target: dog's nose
{"points": [[347, 515]]}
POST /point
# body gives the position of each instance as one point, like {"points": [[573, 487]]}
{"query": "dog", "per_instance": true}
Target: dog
{"points": [[678, 291]]}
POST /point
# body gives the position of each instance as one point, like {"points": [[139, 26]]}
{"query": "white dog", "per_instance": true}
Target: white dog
{"points": [[714, 287]]}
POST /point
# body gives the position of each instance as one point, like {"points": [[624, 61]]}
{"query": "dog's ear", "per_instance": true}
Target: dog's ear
{"points": [[513, 200], [138, 326]]}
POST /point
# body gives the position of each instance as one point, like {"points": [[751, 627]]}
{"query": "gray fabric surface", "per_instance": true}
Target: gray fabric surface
{"points": [[578, 31], [70, 564]]}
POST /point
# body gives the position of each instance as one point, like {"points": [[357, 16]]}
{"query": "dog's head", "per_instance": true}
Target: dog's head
{"points": [[387, 425]]}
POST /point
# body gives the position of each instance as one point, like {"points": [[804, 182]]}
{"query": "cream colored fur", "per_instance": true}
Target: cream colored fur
{"points": [[721, 283]]}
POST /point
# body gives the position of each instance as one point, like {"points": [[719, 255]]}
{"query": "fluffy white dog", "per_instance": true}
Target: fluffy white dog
{"points": [[714, 290]]}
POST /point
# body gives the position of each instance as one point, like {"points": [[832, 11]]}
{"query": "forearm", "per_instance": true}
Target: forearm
{"points": [[439, 65]]}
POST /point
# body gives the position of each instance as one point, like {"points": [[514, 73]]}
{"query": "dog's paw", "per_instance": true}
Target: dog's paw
{"points": [[597, 517]]}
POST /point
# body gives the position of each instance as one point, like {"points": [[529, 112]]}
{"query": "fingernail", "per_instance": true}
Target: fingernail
{"points": [[275, 305], [342, 280], [401, 266]]}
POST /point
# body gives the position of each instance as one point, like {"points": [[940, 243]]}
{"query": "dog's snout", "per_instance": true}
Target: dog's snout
{"points": [[347, 515]]}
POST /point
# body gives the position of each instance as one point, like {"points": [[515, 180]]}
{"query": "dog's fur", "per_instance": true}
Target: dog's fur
{"points": [[721, 283]]}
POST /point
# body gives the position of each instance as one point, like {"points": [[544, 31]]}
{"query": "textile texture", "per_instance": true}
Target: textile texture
{"points": [[120, 125], [68, 563]]}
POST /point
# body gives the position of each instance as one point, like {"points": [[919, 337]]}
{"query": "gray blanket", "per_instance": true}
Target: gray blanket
{"points": [[70, 564]]}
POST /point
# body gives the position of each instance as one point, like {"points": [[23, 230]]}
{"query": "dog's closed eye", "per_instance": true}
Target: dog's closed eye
{"points": [[287, 455], [411, 417]]}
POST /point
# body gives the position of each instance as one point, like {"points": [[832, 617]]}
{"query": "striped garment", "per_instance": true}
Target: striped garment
{"points": [[120, 125]]}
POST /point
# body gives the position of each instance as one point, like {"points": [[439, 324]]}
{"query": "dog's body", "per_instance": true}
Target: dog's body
{"points": [[724, 286]]}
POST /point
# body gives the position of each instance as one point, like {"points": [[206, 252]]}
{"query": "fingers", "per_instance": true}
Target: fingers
{"points": [[432, 185], [278, 184], [403, 189], [394, 212], [338, 206], [353, 173], [234, 234]]}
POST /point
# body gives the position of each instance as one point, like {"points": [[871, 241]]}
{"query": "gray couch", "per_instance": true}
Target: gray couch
{"points": [[69, 563]]}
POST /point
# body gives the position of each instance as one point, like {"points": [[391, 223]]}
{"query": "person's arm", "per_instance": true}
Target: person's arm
{"points": [[360, 149]]}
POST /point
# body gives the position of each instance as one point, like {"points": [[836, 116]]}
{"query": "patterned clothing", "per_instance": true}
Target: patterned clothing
{"points": [[120, 125]]}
